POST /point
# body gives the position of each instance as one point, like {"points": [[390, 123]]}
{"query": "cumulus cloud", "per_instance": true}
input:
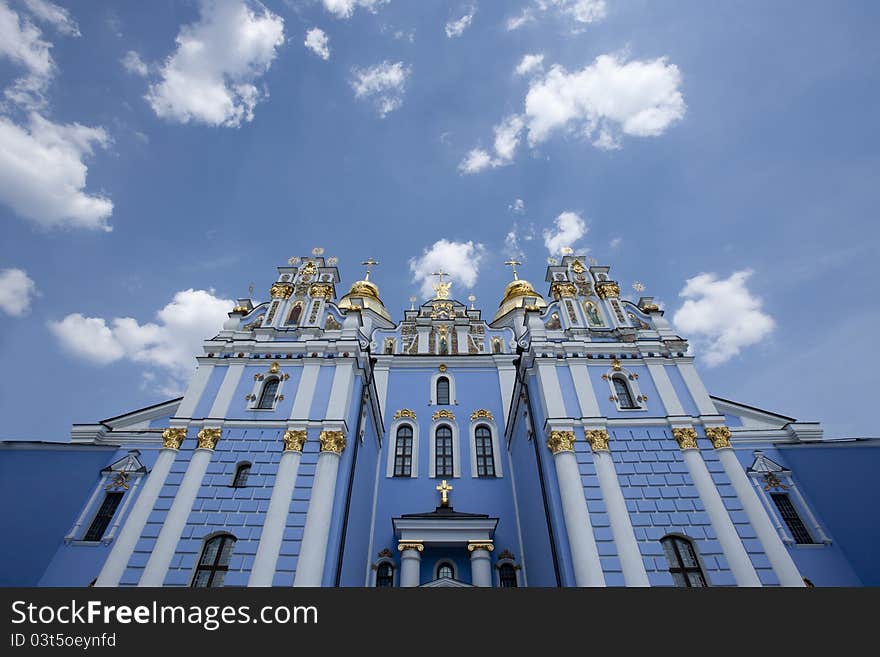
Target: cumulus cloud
{"points": [[507, 136], [56, 16], [345, 8], [518, 206], [22, 43], [133, 63], [580, 12], [457, 27], [211, 77], [513, 240], [721, 315], [461, 260], [43, 173], [317, 42], [530, 64], [384, 84], [567, 229], [16, 291], [167, 345]]}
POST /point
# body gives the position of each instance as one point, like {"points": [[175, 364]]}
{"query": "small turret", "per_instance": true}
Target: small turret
{"points": [[519, 293], [364, 294]]}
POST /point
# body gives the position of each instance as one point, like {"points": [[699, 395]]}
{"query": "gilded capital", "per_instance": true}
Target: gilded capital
{"points": [[410, 545], [405, 412], [294, 440], [208, 438], [281, 291], [173, 437], [482, 413], [720, 436], [558, 290], [480, 545], [685, 437], [607, 289], [321, 290], [561, 441], [598, 439], [332, 441], [444, 414]]}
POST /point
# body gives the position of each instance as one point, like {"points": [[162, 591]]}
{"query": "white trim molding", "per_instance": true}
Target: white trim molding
{"points": [[453, 400], [260, 383], [631, 381]]}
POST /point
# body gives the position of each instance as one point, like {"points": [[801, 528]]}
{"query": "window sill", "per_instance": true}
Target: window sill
{"points": [[81, 543]]}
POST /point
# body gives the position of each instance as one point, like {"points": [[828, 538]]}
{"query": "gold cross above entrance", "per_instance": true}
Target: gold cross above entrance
{"points": [[444, 489]]}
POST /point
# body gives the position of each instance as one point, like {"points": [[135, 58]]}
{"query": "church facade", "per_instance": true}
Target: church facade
{"points": [[568, 440]]}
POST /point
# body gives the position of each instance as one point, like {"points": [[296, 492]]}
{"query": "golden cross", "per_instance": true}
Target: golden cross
{"points": [[444, 489], [512, 264], [441, 288], [370, 263]]}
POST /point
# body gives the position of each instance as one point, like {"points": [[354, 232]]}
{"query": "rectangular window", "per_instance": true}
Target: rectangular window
{"points": [[103, 517], [403, 454], [792, 519], [443, 455]]}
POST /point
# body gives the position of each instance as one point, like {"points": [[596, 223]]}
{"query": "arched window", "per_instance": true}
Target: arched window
{"points": [[214, 562], [683, 562], [403, 451], [295, 313], [442, 391], [445, 569], [384, 575], [241, 475], [443, 452], [496, 346], [508, 576], [621, 389], [267, 397], [485, 453]]}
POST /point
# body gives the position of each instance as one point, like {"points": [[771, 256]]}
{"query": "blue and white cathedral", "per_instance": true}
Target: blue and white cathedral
{"points": [[567, 440]]}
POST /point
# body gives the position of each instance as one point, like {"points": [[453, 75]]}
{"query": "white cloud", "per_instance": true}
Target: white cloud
{"points": [[457, 27], [317, 42], [133, 63], [345, 8], [616, 242], [16, 290], [506, 141], [518, 206], [530, 64], [568, 228], [211, 76], [43, 173], [581, 12], [57, 16], [21, 42], [461, 260], [383, 83], [638, 98], [514, 238], [168, 345], [721, 315], [516, 22]]}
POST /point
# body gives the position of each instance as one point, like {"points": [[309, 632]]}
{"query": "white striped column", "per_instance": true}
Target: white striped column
{"points": [[410, 563], [734, 551], [166, 544], [263, 571], [481, 568], [313, 551], [584, 554], [631, 563], [780, 559], [124, 545]]}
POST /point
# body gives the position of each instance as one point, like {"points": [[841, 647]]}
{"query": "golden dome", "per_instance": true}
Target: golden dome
{"points": [[519, 293], [368, 295], [364, 289]]}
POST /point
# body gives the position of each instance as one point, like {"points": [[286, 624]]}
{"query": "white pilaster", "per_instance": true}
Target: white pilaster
{"points": [[818, 532], [424, 334], [410, 564], [123, 546], [313, 550], [734, 551], [695, 386], [166, 543], [780, 559], [664, 387], [74, 531], [340, 390], [132, 493], [506, 380], [380, 377], [551, 393], [583, 388], [263, 571], [224, 395], [194, 390], [481, 567], [305, 391], [461, 336], [584, 554]]}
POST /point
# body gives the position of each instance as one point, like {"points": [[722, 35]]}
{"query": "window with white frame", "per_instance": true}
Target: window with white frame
{"points": [[403, 451], [442, 395], [443, 451], [684, 565], [790, 517], [268, 394], [102, 518], [624, 388]]}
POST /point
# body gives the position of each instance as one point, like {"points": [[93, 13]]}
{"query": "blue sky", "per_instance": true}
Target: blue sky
{"points": [[156, 158]]}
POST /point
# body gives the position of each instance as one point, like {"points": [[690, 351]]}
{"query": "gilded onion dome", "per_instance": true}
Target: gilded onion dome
{"points": [[519, 293], [364, 294]]}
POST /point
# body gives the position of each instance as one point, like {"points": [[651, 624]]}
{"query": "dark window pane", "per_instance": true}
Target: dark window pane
{"points": [[385, 575], [241, 475], [485, 455], [403, 452], [508, 576], [683, 563], [214, 562], [443, 391], [103, 517], [792, 519], [443, 452], [445, 570], [267, 397], [621, 389]]}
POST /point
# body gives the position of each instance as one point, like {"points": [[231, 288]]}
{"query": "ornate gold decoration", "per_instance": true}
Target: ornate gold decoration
{"points": [[385, 553], [720, 436], [506, 554], [771, 481], [410, 545], [685, 437], [294, 439], [560, 289], [171, 438], [607, 289], [615, 365], [441, 288], [332, 441], [444, 489], [442, 367], [241, 310], [598, 439], [273, 368], [281, 291], [481, 413], [208, 438], [405, 412], [443, 413], [120, 480], [561, 441], [480, 545], [577, 267], [324, 290], [650, 308]]}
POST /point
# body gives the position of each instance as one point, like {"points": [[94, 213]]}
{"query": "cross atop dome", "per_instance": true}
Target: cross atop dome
{"points": [[441, 287], [370, 263], [512, 264]]}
